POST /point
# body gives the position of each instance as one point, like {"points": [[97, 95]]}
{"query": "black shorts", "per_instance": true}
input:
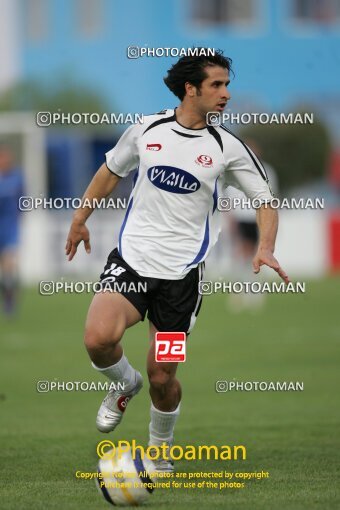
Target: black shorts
{"points": [[172, 305], [248, 231]]}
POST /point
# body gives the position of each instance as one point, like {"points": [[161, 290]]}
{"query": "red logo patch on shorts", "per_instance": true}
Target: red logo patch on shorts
{"points": [[170, 347]]}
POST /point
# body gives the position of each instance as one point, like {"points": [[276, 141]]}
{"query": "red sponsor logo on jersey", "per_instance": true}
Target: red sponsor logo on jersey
{"points": [[204, 160], [122, 402], [153, 147], [170, 347]]}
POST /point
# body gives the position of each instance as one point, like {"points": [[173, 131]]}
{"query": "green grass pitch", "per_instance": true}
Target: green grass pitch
{"points": [[47, 437]]}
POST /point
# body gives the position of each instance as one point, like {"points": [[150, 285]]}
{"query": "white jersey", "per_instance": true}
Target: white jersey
{"points": [[171, 220]]}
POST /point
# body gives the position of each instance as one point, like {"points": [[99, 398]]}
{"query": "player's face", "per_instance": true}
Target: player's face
{"points": [[213, 94]]}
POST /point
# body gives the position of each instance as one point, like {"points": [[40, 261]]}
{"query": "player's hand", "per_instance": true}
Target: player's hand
{"points": [[265, 257], [78, 232]]}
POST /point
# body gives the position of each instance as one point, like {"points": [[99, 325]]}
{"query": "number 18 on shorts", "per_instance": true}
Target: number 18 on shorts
{"points": [[170, 347]]}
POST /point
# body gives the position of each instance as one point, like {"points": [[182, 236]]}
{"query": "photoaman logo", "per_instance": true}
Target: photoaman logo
{"points": [[170, 347]]}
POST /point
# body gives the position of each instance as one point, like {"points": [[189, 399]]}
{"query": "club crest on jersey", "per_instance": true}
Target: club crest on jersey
{"points": [[172, 179], [204, 160], [153, 146]]}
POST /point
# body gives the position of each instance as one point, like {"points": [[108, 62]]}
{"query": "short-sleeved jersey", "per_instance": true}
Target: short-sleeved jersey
{"points": [[171, 220], [248, 214]]}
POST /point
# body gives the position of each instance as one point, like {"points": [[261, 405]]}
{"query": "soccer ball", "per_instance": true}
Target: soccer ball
{"points": [[125, 481]]}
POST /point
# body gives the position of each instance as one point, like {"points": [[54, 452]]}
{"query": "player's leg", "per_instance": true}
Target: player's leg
{"points": [[175, 307], [165, 389], [249, 242], [110, 314], [9, 279], [166, 393]]}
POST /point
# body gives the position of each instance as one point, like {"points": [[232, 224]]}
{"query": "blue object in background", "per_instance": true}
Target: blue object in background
{"points": [[282, 54]]}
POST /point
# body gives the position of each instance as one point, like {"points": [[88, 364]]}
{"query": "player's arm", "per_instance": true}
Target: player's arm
{"points": [[267, 221], [101, 186], [245, 171], [120, 161]]}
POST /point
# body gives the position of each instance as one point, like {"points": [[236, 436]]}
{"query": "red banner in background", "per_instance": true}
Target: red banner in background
{"points": [[334, 241]]}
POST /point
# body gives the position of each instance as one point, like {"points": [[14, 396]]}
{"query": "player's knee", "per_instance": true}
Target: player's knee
{"points": [[99, 339], [160, 379]]}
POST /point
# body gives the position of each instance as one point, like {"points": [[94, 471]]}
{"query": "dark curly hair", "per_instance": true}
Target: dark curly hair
{"points": [[192, 69]]}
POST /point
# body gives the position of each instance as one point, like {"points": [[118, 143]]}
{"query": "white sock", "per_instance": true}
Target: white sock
{"points": [[121, 372], [162, 425]]}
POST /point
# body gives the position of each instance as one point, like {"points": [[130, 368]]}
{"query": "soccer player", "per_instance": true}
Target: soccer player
{"points": [[11, 188], [168, 231]]}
